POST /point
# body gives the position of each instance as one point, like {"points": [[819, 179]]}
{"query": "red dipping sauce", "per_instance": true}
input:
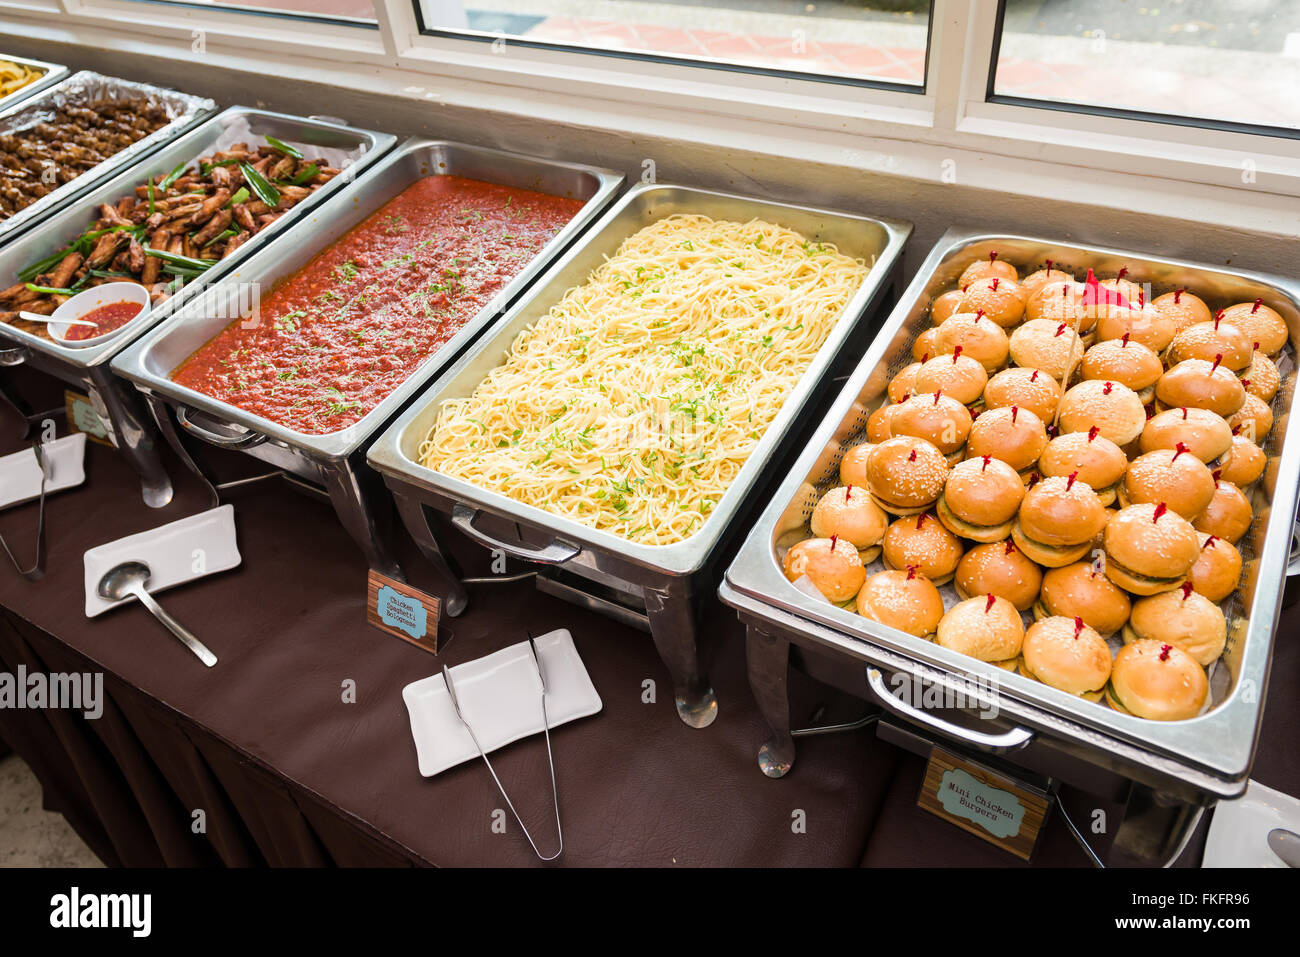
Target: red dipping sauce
{"points": [[337, 337], [110, 316]]}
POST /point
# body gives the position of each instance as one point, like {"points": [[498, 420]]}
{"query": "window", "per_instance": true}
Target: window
{"points": [[1234, 64], [327, 10], [876, 42]]}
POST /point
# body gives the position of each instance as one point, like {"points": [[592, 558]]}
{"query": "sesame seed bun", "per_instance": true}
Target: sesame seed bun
{"points": [[944, 306], [1081, 590], [904, 384], [926, 345], [980, 499], [987, 267], [939, 419], [1126, 362], [1218, 568], [1196, 383], [1037, 280], [1000, 299], [880, 424], [1058, 302], [1066, 654], [1031, 389], [896, 599], [1147, 325], [1058, 521], [850, 514], [834, 568], [1093, 458], [1206, 434], [1149, 548], [1210, 340], [1046, 344], [987, 627], [955, 375], [1183, 309], [1014, 435], [1183, 618], [1228, 515], [1159, 681], [1254, 419], [1261, 378], [1173, 476], [905, 475], [921, 542], [1001, 569], [978, 336], [1113, 408], [1244, 463], [1261, 324], [853, 465]]}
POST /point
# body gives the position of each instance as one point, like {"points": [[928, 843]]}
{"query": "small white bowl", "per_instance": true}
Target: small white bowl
{"points": [[91, 299]]}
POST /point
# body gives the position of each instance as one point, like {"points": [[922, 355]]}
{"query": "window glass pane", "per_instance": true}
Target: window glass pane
{"points": [[1236, 61], [873, 40], [363, 10]]}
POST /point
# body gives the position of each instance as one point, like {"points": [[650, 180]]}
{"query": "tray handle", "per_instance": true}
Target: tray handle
{"points": [[13, 355], [245, 441], [556, 553], [1011, 740]]}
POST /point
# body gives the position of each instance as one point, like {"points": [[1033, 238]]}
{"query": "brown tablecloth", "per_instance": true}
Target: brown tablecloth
{"points": [[287, 773]]}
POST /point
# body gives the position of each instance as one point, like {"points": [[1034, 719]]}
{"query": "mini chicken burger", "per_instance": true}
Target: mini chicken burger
{"points": [[1156, 680], [920, 542], [1261, 378], [1218, 568], [1058, 521], [1043, 277], [853, 465], [1141, 323], [1093, 458], [1228, 515], [1048, 345], [1183, 308], [831, 564], [1198, 384], [987, 267], [1254, 419], [986, 627], [945, 305], [955, 375], [1244, 463], [1206, 434], [978, 336], [1173, 476], [905, 475], [1082, 591], [980, 499], [1031, 389], [1149, 548], [1066, 654], [1210, 340], [1261, 324], [1061, 302], [850, 515], [1183, 618], [999, 299], [1014, 435], [939, 419], [1000, 569], [926, 344], [902, 599], [1114, 409], [1126, 362]]}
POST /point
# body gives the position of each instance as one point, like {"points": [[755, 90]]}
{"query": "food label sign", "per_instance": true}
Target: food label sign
{"points": [[404, 611], [82, 417], [1003, 811]]}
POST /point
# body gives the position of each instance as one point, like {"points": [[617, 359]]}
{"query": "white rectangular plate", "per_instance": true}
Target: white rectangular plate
{"points": [[20, 475], [1239, 832], [181, 551], [501, 699]]}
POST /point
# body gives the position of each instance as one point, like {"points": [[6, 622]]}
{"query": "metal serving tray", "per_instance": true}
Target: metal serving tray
{"points": [[53, 73], [664, 579], [1198, 758], [331, 460], [88, 367], [186, 110]]}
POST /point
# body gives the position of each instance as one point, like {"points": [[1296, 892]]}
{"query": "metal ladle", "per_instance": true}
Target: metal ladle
{"points": [[130, 578]]}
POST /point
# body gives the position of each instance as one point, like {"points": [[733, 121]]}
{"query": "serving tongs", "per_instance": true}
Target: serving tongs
{"points": [[37, 569], [550, 757]]}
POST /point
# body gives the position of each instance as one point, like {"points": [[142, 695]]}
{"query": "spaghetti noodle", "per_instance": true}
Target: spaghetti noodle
{"points": [[633, 404]]}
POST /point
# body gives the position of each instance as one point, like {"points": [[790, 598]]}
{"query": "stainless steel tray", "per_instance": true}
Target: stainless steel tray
{"points": [[662, 582], [184, 109], [53, 73], [152, 360], [1218, 745], [215, 133]]}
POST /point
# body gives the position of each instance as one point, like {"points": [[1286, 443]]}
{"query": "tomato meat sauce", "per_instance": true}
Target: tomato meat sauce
{"points": [[107, 318], [331, 342]]}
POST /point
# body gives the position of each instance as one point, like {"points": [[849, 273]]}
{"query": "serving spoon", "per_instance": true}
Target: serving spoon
{"points": [[37, 317], [130, 578]]}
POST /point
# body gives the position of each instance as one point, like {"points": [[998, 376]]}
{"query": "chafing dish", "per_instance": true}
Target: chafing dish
{"points": [[118, 405], [1168, 771], [183, 110], [51, 73], [333, 463], [657, 588]]}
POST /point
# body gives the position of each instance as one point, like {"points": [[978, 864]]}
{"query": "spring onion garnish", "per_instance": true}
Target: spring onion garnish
{"points": [[284, 147], [264, 190]]}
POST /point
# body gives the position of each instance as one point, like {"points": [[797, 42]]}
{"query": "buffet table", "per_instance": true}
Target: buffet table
{"points": [[286, 773]]}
